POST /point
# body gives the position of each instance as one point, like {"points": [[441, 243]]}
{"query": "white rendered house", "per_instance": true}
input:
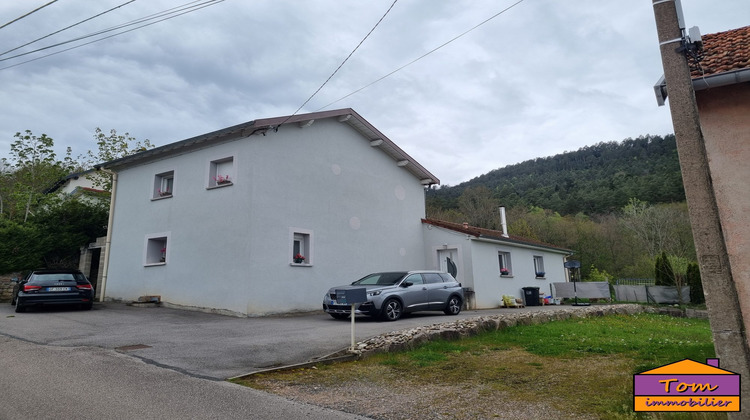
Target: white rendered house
{"points": [[215, 222], [492, 263]]}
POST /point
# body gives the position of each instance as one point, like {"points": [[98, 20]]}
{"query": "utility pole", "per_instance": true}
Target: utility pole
{"points": [[727, 324]]}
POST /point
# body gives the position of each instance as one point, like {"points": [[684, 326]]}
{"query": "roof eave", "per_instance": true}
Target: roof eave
{"points": [[262, 126], [521, 244], [706, 82]]}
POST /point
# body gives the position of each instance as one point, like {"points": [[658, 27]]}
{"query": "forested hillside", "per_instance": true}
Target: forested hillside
{"points": [[619, 205], [593, 180]]}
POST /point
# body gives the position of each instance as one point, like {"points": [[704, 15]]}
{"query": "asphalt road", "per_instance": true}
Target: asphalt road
{"points": [[50, 382], [123, 362], [201, 344]]}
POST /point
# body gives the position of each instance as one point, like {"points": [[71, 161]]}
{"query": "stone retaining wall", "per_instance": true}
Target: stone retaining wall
{"points": [[408, 339], [6, 287]]}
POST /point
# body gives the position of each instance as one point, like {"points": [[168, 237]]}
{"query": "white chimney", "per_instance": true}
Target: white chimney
{"points": [[503, 223]]}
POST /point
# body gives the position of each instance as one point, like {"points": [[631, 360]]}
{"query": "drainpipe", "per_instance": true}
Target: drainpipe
{"points": [[108, 241]]}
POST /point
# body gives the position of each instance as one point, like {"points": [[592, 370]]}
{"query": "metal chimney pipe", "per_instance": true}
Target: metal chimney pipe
{"points": [[503, 223]]}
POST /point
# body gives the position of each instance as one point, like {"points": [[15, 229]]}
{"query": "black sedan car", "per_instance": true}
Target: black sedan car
{"points": [[53, 287]]}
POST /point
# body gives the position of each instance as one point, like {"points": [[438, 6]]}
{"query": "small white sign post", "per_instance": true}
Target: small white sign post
{"points": [[352, 297], [352, 317]]}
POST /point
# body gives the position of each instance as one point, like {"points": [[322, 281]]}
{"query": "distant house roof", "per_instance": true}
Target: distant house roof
{"points": [[724, 60], [262, 126], [494, 235], [61, 182]]}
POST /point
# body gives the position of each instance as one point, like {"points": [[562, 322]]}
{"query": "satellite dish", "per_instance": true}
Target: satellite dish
{"points": [[572, 264]]}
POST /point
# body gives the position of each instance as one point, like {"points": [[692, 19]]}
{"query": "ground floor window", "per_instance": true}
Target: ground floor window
{"points": [[503, 259], [539, 265], [301, 247], [155, 252]]}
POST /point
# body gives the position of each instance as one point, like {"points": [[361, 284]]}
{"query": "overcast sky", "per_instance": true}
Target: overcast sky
{"points": [[546, 76]]}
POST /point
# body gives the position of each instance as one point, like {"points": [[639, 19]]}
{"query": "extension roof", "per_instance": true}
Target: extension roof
{"points": [[262, 126], [494, 235], [724, 52]]}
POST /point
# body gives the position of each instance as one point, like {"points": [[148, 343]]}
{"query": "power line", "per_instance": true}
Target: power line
{"points": [[67, 27], [170, 13], [343, 62], [33, 11], [425, 54]]}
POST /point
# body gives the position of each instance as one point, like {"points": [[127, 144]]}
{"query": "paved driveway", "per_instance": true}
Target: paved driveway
{"points": [[206, 345]]}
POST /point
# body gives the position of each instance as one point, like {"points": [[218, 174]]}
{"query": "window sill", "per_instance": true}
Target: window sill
{"points": [[300, 264], [155, 264], [163, 197], [213, 187], [507, 276]]}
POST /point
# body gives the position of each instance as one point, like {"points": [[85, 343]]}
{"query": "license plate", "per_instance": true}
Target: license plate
{"points": [[58, 289]]}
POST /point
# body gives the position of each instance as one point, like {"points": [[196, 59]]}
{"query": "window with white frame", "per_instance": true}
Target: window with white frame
{"points": [[221, 172], [156, 250], [503, 259], [539, 265], [163, 185], [301, 247]]}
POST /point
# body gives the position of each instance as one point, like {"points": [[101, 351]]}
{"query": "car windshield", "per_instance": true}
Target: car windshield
{"points": [[383, 279], [55, 277]]}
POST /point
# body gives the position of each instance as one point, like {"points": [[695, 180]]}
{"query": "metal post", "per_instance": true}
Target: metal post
{"points": [[352, 317]]}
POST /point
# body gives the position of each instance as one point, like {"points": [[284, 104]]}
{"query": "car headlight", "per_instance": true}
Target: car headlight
{"points": [[375, 293]]}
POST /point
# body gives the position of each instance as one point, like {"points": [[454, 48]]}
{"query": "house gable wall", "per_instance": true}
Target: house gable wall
{"points": [[726, 127], [230, 247]]}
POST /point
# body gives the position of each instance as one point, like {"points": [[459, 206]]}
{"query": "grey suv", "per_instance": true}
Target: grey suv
{"points": [[391, 294]]}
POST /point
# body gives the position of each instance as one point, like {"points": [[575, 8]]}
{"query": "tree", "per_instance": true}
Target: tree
{"points": [[663, 272], [693, 279], [111, 147], [52, 237], [480, 208], [34, 168], [19, 246], [665, 227], [66, 225]]}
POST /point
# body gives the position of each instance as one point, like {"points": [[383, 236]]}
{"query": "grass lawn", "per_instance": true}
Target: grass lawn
{"points": [[580, 367]]}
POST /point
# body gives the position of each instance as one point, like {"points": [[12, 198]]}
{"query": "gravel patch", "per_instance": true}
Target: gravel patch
{"points": [[377, 393]]}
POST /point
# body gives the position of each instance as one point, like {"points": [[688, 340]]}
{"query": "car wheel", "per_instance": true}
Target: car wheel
{"points": [[453, 307], [340, 316], [87, 306], [19, 307], [392, 310]]}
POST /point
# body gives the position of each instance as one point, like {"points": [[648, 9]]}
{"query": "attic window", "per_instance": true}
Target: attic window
{"points": [[221, 172], [163, 185]]}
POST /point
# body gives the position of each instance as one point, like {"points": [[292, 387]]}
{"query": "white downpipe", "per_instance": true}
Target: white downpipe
{"points": [[108, 242]]}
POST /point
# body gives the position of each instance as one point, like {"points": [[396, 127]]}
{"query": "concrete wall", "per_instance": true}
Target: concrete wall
{"points": [[725, 123], [229, 248]]}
